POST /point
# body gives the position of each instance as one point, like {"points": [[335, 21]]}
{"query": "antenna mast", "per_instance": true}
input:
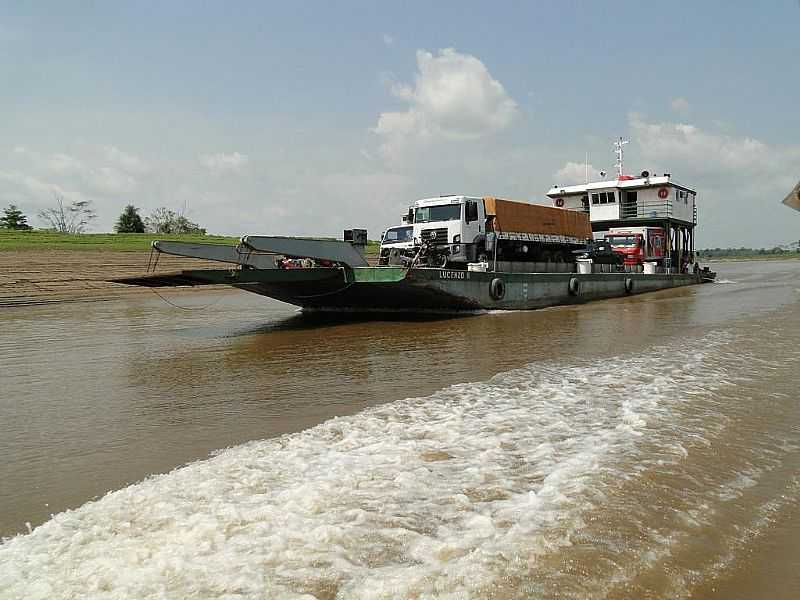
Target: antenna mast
{"points": [[618, 150], [587, 168]]}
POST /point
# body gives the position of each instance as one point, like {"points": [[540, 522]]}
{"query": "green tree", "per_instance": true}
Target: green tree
{"points": [[14, 219], [163, 220], [129, 221]]}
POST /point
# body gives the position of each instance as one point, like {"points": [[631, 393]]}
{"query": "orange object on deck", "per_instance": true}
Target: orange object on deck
{"points": [[511, 216]]}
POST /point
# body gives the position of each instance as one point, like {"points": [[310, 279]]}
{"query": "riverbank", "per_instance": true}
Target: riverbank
{"points": [[16, 241], [40, 267], [29, 277]]}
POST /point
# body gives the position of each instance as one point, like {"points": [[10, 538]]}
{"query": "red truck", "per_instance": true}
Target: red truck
{"points": [[638, 244]]}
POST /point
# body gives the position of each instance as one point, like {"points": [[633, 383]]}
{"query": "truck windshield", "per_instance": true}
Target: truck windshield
{"points": [[445, 212], [622, 240], [398, 234]]}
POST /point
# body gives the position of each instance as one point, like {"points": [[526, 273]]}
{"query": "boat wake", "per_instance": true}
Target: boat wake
{"points": [[432, 496]]}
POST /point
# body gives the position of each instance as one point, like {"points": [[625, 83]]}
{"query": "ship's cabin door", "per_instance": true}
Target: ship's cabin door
{"points": [[630, 205]]}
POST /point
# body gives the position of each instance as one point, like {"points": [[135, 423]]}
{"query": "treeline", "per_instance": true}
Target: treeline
{"points": [[745, 252], [76, 217]]}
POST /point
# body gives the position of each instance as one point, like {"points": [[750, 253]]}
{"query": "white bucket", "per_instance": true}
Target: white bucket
{"points": [[584, 265], [649, 268], [478, 266]]}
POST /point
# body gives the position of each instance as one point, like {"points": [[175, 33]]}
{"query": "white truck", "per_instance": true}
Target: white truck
{"points": [[456, 230], [397, 245]]}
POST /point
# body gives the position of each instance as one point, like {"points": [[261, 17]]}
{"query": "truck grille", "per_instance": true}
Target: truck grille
{"points": [[441, 235]]}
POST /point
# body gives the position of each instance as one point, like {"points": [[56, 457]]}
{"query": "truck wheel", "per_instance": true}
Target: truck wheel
{"points": [[497, 289]]}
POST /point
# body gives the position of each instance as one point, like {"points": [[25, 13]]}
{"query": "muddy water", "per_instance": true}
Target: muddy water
{"points": [[639, 447]]}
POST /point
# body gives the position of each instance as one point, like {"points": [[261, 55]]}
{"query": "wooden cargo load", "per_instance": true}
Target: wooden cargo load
{"points": [[511, 216]]}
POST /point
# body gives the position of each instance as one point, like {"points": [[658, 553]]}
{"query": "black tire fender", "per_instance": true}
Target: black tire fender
{"points": [[575, 286], [628, 285], [497, 288]]}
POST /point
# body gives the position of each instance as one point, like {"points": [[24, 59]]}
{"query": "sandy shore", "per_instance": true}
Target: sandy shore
{"points": [[45, 276]]}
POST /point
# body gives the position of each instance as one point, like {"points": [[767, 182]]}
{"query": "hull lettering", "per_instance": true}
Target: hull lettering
{"points": [[453, 275]]}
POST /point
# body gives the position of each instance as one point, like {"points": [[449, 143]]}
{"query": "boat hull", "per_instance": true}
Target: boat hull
{"points": [[388, 289]]}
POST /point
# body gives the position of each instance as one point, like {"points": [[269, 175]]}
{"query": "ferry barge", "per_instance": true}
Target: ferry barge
{"points": [[473, 253]]}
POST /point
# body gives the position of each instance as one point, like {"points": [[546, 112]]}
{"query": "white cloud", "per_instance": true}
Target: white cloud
{"points": [[740, 180], [680, 105], [124, 161], [96, 170], [64, 163], [707, 151], [21, 187], [221, 162], [388, 39], [454, 97], [573, 173]]}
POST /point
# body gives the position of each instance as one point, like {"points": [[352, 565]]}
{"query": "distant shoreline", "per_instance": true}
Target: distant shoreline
{"points": [[787, 256]]}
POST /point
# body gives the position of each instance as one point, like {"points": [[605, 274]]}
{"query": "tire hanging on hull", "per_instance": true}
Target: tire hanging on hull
{"points": [[497, 288], [574, 286]]}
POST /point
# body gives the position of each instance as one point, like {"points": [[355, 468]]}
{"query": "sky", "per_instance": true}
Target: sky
{"points": [[307, 118]]}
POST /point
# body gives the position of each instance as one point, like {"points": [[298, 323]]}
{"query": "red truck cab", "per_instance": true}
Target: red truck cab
{"points": [[637, 244]]}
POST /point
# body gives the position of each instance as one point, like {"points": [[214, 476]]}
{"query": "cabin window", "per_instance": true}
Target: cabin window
{"points": [[444, 212], [471, 211], [603, 198]]}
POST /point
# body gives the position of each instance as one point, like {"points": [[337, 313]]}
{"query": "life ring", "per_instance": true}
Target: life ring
{"points": [[574, 286], [497, 288], [628, 285], [559, 202], [663, 193]]}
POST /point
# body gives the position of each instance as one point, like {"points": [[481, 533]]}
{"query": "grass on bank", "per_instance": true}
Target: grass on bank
{"points": [[108, 242]]}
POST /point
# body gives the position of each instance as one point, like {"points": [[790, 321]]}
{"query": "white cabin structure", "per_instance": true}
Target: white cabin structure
{"points": [[647, 200]]}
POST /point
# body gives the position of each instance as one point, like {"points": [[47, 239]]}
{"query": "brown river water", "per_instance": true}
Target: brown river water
{"points": [[645, 447]]}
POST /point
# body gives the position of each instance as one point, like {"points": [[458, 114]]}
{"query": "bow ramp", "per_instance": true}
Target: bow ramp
{"points": [[229, 254], [253, 253], [331, 250], [257, 251]]}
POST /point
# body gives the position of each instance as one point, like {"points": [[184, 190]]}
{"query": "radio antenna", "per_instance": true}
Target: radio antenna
{"points": [[618, 150]]}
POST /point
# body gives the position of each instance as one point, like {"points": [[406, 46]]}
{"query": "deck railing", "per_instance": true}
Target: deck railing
{"points": [[650, 209], [646, 209]]}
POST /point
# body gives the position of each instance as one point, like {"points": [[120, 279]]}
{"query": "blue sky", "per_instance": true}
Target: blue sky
{"points": [[305, 118]]}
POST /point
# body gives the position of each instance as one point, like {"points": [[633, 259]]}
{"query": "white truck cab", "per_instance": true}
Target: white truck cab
{"points": [[396, 242], [458, 222]]}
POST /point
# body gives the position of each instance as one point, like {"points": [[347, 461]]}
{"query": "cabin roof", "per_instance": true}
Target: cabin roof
{"points": [[637, 182]]}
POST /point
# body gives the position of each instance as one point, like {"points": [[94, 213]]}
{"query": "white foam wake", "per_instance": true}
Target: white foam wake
{"points": [[426, 497]]}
